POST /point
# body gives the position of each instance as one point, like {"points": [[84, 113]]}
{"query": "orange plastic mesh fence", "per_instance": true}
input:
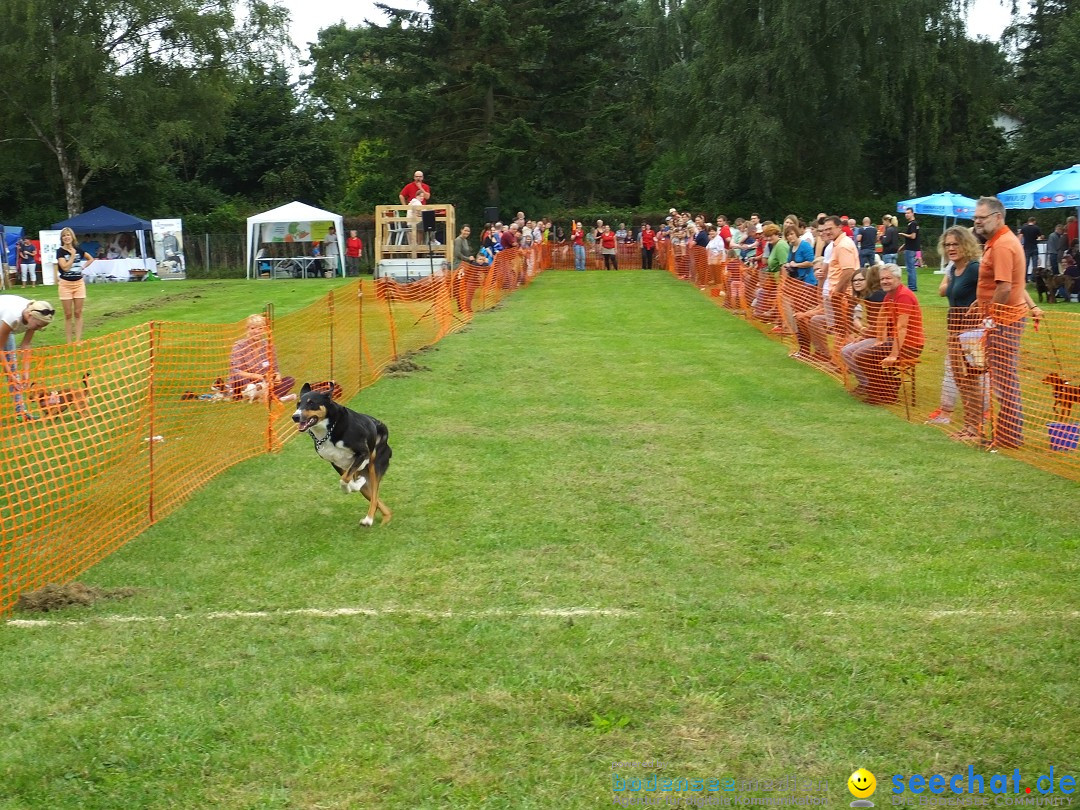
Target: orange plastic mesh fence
{"points": [[124, 428], [560, 256], [1004, 384]]}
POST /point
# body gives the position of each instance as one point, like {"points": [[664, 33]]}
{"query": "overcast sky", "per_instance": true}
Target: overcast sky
{"points": [[987, 18]]}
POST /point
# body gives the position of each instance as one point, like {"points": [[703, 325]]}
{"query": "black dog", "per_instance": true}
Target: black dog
{"points": [[355, 443], [1043, 279]]}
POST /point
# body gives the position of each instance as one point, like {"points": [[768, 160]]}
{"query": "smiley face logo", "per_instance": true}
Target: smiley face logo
{"points": [[862, 784]]}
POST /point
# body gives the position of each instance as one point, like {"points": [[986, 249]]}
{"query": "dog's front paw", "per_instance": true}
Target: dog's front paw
{"points": [[366, 521]]}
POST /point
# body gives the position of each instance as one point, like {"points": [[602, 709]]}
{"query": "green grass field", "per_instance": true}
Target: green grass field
{"points": [[111, 307], [626, 527]]}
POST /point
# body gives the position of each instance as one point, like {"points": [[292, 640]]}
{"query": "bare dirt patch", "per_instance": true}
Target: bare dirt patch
{"points": [[55, 597], [405, 365], [142, 306]]}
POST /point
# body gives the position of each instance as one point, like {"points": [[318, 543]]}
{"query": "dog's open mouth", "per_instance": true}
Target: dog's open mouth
{"points": [[304, 424]]}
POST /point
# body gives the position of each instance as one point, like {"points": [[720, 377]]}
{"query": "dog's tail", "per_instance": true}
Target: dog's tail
{"points": [[382, 449]]}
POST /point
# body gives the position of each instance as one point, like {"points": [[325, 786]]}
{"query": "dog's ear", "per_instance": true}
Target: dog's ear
{"points": [[305, 389]]}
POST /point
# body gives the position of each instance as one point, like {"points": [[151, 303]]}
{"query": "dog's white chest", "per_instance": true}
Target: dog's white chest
{"points": [[337, 454]]}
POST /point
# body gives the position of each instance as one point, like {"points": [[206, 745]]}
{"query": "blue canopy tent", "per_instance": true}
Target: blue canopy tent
{"points": [[107, 220], [103, 220], [943, 204], [1060, 189], [9, 235]]}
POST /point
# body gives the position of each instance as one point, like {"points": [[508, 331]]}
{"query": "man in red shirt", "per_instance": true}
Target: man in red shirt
{"points": [[1000, 296], [353, 248], [1072, 230], [648, 246], [900, 339], [416, 190], [724, 229], [509, 237], [577, 237]]}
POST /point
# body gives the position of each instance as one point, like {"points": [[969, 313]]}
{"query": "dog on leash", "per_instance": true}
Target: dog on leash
{"points": [[55, 401], [354, 443], [1043, 288], [1065, 394], [218, 392]]}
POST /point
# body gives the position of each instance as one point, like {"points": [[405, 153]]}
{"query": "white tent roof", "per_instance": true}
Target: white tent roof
{"points": [[295, 211]]}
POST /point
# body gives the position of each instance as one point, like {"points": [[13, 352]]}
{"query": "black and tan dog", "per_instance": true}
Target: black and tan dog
{"points": [[1065, 394], [55, 401], [355, 443]]}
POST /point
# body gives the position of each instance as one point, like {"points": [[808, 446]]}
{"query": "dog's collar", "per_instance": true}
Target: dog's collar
{"points": [[320, 442]]}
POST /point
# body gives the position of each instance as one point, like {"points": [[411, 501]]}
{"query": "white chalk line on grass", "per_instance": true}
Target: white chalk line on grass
{"points": [[330, 613], [541, 613], [950, 614]]}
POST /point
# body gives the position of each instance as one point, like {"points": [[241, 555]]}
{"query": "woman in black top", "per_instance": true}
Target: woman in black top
{"points": [[72, 287], [890, 243], [963, 375]]}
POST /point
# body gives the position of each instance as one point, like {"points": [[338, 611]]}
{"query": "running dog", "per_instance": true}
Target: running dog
{"points": [[55, 401], [354, 443], [1065, 395], [329, 387]]}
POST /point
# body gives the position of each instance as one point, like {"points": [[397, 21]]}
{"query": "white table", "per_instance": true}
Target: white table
{"points": [[294, 266], [117, 269]]}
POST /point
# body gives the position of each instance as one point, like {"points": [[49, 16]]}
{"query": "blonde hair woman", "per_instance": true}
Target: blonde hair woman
{"points": [[890, 241], [72, 285]]}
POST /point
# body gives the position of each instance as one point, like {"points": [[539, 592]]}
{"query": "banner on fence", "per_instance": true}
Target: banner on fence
{"points": [[169, 248]]}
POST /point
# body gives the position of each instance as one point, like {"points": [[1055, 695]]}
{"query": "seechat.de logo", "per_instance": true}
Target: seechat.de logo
{"points": [[862, 785]]}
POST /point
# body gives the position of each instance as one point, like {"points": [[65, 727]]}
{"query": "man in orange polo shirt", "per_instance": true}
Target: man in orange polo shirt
{"points": [[843, 262], [1000, 298]]}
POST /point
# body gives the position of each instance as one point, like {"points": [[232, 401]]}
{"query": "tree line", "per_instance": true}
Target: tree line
{"points": [[186, 107]]}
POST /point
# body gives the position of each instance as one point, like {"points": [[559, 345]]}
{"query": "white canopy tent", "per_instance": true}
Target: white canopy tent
{"points": [[285, 217]]}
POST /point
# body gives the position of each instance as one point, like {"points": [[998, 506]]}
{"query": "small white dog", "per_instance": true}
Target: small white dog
{"points": [[254, 392]]}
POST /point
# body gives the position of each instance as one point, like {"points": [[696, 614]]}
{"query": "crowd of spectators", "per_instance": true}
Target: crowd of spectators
{"points": [[834, 283]]}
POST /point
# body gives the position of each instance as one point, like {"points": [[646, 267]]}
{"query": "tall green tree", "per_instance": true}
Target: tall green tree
{"points": [[104, 84], [789, 102], [272, 147], [497, 101], [1047, 92]]}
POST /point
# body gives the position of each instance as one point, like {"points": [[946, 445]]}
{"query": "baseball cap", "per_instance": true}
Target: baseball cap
{"points": [[42, 310]]}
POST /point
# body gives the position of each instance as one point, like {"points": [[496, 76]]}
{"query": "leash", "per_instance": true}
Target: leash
{"points": [[1053, 348]]}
